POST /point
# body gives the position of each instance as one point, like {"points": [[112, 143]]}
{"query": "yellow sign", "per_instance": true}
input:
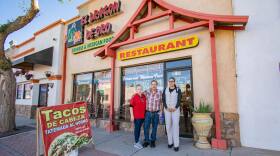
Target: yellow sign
{"points": [[162, 47]]}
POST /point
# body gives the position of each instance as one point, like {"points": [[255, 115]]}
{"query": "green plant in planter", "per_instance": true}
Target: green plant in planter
{"points": [[202, 123], [203, 108]]}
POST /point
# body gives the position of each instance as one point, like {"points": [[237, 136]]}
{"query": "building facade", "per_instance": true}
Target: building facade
{"points": [[37, 63], [215, 56], [114, 45]]}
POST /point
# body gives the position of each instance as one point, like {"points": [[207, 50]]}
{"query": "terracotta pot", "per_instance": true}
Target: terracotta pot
{"points": [[202, 123]]}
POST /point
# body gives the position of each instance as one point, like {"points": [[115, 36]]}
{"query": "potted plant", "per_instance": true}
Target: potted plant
{"points": [[28, 76], [202, 123], [17, 73], [23, 72]]}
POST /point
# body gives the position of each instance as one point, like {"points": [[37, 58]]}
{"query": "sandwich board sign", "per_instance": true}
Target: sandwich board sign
{"points": [[63, 129]]}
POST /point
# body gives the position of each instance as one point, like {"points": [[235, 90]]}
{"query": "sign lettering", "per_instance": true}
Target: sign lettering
{"points": [[162, 47]]}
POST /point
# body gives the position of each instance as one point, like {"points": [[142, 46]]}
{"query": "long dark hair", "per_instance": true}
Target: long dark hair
{"points": [[173, 78]]}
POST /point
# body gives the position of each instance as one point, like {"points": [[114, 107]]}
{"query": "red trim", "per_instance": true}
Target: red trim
{"points": [[187, 27], [111, 126], [64, 65], [55, 77], [24, 53], [215, 89], [229, 20], [102, 50], [132, 30], [171, 21], [203, 16], [230, 27], [25, 42], [149, 8], [150, 18]]}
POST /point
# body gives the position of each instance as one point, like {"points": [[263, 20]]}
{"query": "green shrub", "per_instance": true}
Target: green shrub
{"points": [[203, 108]]}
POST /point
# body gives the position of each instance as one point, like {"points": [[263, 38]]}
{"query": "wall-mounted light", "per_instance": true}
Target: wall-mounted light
{"points": [[51, 85], [48, 73]]}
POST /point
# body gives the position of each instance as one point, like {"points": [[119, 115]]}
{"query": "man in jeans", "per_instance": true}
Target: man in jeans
{"points": [[153, 108]]}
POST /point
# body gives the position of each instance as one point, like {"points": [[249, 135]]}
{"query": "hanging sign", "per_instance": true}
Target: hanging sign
{"points": [[64, 128], [162, 47], [103, 29], [103, 12], [76, 30], [75, 35]]}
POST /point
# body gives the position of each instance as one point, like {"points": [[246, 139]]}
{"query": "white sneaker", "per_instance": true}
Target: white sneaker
{"points": [[138, 145]]}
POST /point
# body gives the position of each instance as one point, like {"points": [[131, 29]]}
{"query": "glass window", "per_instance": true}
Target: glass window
{"points": [[83, 87], [132, 76], [179, 64], [27, 91], [102, 84], [19, 91]]}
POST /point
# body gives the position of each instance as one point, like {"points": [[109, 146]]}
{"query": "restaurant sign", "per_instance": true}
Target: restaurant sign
{"points": [[103, 12], [64, 128], [158, 48], [82, 30], [92, 44], [75, 35]]}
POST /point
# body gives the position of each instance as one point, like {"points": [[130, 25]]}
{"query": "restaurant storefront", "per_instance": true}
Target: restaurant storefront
{"points": [[114, 45]]}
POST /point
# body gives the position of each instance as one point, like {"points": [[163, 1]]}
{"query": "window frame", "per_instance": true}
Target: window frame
{"points": [[24, 91], [17, 91], [164, 75]]}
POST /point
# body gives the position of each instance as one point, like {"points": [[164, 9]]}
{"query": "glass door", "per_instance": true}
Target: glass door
{"points": [[184, 82], [43, 95], [102, 93]]}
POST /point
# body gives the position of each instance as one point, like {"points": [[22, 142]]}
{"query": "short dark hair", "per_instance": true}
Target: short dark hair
{"points": [[154, 81], [138, 85]]}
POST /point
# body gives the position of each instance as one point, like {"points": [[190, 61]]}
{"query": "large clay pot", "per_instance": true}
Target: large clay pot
{"points": [[202, 123]]}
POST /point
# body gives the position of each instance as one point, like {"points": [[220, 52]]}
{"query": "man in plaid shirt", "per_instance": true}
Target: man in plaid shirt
{"points": [[153, 108]]}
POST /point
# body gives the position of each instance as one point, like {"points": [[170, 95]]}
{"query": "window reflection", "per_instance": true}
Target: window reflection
{"points": [[83, 87], [19, 91], [132, 76], [95, 90], [27, 91], [102, 83], [83, 91]]}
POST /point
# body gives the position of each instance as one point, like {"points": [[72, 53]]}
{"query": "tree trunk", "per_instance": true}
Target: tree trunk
{"points": [[7, 100], [7, 78]]}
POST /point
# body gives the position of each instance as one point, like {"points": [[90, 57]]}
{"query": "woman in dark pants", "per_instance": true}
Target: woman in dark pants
{"points": [[137, 112]]}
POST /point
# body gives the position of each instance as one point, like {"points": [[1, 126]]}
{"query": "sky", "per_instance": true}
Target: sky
{"points": [[50, 11]]}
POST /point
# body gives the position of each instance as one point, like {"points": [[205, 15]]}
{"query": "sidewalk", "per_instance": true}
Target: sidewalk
{"points": [[120, 144]]}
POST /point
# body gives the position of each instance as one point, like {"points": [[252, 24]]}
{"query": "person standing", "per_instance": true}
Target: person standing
{"points": [[137, 113], [153, 108], [171, 98]]}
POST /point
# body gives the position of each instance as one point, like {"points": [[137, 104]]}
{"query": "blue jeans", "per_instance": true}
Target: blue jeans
{"points": [[137, 128], [151, 117]]}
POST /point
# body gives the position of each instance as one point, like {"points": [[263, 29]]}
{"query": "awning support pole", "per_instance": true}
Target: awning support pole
{"points": [[217, 142]]}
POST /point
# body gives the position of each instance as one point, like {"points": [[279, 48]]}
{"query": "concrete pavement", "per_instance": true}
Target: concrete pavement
{"points": [[119, 143]]}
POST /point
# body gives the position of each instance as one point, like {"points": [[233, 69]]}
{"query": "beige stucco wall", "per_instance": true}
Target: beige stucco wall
{"points": [[201, 55]]}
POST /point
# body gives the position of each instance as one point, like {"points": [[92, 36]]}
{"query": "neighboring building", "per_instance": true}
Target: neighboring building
{"points": [[154, 39], [258, 73], [40, 54]]}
